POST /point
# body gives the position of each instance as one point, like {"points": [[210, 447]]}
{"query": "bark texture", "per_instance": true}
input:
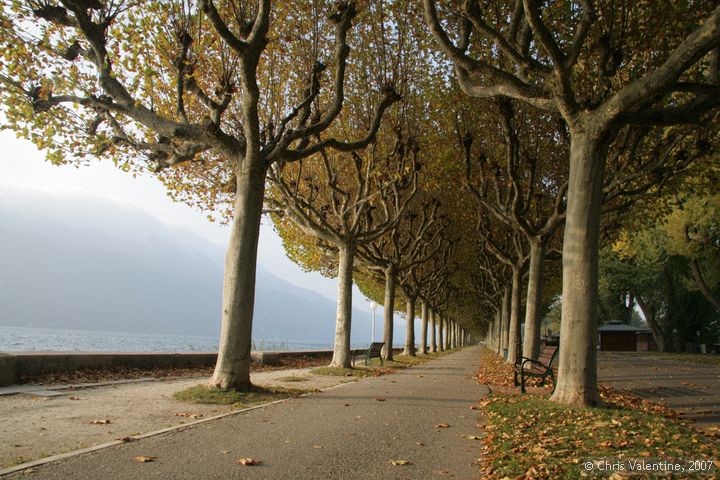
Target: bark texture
{"points": [[513, 347], [232, 370], [531, 343], [389, 310], [424, 328], [410, 329], [341, 352], [577, 370]]}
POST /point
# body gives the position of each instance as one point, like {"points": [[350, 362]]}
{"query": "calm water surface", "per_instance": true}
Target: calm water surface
{"points": [[24, 339]]}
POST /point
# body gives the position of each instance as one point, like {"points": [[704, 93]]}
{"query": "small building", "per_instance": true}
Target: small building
{"points": [[619, 337]]}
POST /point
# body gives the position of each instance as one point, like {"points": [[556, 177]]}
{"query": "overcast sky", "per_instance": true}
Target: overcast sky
{"points": [[24, 167]]}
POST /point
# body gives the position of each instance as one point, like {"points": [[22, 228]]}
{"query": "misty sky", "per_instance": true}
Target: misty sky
{"points": [[24, 168]]}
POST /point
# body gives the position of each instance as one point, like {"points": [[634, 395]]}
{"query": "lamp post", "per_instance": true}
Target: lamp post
{"points": [[373, 306]]}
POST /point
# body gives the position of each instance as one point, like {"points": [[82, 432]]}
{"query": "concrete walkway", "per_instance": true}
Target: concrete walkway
{"points": [[690, 389], [350, 432]]}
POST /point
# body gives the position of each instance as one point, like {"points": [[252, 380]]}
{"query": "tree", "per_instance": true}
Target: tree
{"points": [[336, 206], [525, 190], [693, 231], [401, 249], [186, 85], [601, 66]]}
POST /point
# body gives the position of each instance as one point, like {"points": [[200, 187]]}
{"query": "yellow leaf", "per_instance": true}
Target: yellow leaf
{"points": [[399, 462], [145, 458]]}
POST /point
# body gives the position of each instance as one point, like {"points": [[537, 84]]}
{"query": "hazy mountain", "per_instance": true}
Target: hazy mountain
{"points": [[87, 263]]}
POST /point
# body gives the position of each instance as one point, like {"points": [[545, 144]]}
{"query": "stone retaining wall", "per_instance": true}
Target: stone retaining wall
{"points": [[15, 365]]}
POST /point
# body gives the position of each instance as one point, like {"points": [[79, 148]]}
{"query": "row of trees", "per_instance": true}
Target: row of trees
{"points": [[449, 152]]}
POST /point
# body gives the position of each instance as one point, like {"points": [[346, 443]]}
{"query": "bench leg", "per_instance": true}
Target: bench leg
{"points": [[522, 383], [515, 380], [554, 382]]}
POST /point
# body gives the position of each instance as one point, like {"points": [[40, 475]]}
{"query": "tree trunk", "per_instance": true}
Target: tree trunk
{"points": [[232, 370], [433, 339], [441, 333], [410, 330], [514, 331], [389, 311], [531, 344], [577, 371], [497, 332], [342, 357], [649, 314], [702, 284], [673, 315], [505, 328], [423, 328]]}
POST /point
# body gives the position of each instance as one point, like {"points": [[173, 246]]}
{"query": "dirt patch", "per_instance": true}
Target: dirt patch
{"points": [[34, 426]]}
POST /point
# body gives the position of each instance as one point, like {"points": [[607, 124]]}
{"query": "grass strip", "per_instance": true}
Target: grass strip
{"points": [[206, 395]]}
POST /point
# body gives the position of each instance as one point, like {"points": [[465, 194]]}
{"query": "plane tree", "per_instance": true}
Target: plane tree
{"points": [[188, 85], [522, 183], [345, 206], [602, 66]]}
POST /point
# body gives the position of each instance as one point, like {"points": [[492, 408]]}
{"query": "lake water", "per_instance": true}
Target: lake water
{"points": [[23, 339]]}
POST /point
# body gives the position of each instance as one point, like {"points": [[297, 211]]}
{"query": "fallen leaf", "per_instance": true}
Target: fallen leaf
{"points": [[379, 399], [420, 444], [145, 458], [317, 446], [225, 451], [346, 405], [400, 462], [474, 407], [74, 398], [189, 415], [470, 437], [248, 461], [104, 421], [126, 439], [442, 425], [644, 454], [444, 473]]}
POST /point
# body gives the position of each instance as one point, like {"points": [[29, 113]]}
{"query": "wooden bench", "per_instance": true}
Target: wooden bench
{"points": [[540, 368], [374, 351]]}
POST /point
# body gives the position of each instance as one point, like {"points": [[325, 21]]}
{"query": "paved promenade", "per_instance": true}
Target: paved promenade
{"points": [[349, 432], [690, 389]]}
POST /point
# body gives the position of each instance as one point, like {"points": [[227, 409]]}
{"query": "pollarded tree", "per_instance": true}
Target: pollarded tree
{"points": [[186, 84], [345, 206], [509, 247], [524, 189], [603, 66], [401, 249], [411, 280]]}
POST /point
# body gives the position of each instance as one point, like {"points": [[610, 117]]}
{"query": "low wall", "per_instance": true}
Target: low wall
{"points": [[15, 365]]}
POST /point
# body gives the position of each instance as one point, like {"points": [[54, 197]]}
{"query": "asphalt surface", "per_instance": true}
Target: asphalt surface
{"points": [[690, 389], [350, 432]]}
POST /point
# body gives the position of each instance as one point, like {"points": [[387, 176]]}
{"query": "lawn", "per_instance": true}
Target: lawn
{"points": [[528, 436]]}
